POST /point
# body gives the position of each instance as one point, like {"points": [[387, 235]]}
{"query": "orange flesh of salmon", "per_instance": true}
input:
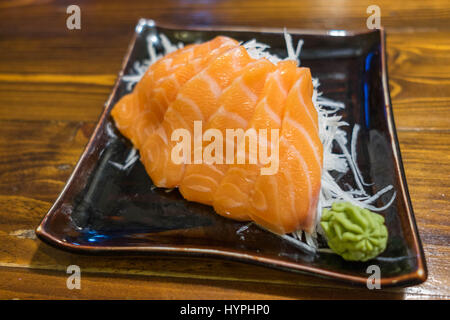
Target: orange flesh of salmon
{"points": [[286, 201], [130, 107], [232, 197], [139, 117], [219, 84], [197, 100], [237, 105]]}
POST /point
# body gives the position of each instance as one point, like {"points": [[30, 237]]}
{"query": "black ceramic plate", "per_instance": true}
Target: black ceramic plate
{"points": [[103, 209]]}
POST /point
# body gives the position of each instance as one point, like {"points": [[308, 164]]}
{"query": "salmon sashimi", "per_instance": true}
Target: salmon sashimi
{"points": [[124, 115], [127, 110], [237, 105], [231, 128], [138, 117], [286, 201], [197, 100], [232, 197]]}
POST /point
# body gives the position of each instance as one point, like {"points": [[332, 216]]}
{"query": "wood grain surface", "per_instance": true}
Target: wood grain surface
{"points": [[54, 83]]}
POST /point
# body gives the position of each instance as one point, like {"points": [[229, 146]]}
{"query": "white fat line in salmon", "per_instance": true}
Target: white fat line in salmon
{"points": [[260, 149]]}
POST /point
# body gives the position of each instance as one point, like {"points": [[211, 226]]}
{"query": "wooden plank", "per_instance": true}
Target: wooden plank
{"points": [[53, 83], [111, 16], [53, 101], [16, 283], [418, 77], [33, 153], [37, 157]]}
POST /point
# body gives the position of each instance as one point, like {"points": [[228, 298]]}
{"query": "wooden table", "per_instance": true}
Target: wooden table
{"points": [[54, 83]]}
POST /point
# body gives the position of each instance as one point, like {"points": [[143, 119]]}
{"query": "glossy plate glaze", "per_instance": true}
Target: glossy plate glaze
{"points": [[104, 209]]}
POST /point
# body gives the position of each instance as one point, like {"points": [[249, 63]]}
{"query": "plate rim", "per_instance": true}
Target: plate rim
{"points": [[417, 276]]}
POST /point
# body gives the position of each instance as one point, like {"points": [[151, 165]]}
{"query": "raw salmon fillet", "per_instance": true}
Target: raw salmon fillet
{"points": [[237, 105], [204, 90], [130, 107], [197, 100], [138, 117], [286, 201], [232, 197]]}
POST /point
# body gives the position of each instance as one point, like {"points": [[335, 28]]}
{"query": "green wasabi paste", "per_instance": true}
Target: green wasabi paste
{"points": [[354, 233]]}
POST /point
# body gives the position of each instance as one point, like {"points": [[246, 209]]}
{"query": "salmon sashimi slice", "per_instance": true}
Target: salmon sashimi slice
{"points": [[165, 87], [128, 109], [156, 88], [160, 84], [232, 197], [287, 201], [124, 114], [237, 105], [197, 100]]}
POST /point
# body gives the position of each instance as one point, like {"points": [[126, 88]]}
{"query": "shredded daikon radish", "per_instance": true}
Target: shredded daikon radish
{"points": [[244, 227], [257, 50], [353, 153], [139, 68], [330, 134], [298, 243], [292, 54], [132, 157]]}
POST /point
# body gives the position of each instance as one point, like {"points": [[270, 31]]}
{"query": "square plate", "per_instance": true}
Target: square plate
{"points": [[106, 210]]}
